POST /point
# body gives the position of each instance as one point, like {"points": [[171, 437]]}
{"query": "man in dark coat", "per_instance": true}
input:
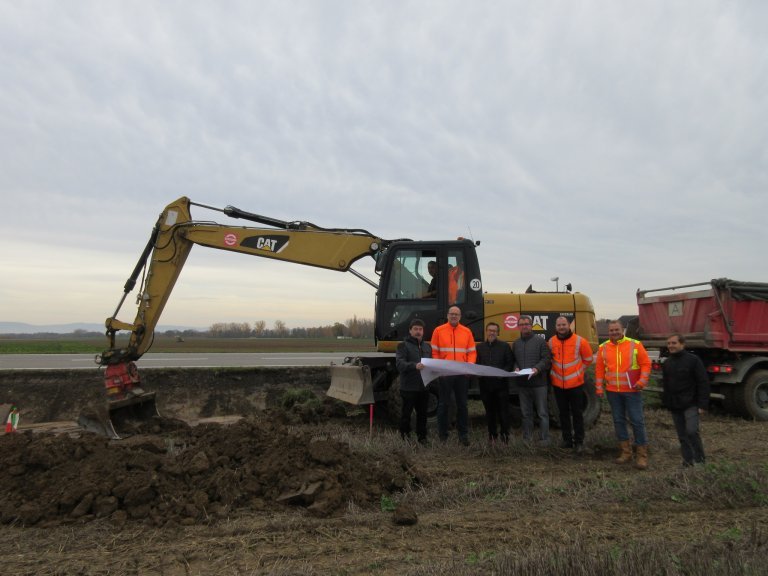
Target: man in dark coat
{"points": [[686, 395], [531, 351], [494, 392], [412, 390]]}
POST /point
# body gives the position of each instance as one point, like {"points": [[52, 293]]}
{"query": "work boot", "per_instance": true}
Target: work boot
{"points": [[642, 458], [626, 453]]}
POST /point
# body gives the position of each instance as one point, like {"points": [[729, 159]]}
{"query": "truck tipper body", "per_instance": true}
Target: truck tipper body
{"points": [[725, 323]]}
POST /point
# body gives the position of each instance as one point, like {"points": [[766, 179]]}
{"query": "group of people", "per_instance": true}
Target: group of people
{"points": [[622, 371]]}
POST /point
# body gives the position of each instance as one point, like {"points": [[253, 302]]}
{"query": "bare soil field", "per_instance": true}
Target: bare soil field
{"points": [[255, 472]]}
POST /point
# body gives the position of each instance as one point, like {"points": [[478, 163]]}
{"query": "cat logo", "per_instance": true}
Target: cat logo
{"points": [[274, 243]]}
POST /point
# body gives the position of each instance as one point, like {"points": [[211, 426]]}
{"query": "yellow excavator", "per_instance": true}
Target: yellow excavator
{"points": [[417, 279]]}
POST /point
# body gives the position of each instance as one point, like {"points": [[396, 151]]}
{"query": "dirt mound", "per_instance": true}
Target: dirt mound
{"points": [[177, 474]]}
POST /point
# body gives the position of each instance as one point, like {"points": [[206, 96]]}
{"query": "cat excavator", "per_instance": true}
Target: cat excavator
{"points": [[417, 279]]}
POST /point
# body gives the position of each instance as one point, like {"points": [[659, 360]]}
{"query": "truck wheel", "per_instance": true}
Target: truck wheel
{"points": [[592, 404], [591, 410], [752, 396], [395, 403]]}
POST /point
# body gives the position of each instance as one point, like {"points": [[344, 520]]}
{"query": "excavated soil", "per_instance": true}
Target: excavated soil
{"points": [[169, 472], [176, 474], [288, 483]]}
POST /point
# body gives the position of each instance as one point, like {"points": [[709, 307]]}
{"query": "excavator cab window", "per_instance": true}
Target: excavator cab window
{"points": [[411, 277]]}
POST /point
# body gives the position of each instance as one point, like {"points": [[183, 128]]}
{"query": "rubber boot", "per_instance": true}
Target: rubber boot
{"points": [[642, 458], [626, 453]]}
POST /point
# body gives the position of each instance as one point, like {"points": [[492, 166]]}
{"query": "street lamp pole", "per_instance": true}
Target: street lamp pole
{"points": [[556, 280]]}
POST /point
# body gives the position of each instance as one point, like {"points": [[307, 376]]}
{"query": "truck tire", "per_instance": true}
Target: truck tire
{"points": [[591, 410], [592, 404], [751, 397], [395, 403]]}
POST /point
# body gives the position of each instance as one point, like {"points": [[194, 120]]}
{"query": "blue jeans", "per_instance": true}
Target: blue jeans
{"points": [[458, 387], [687, 427], [628, 406]]}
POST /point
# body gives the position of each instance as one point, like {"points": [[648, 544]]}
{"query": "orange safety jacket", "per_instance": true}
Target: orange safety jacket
{"points": [[449, 343], [569, 359], [622, 367], [455, 283]]}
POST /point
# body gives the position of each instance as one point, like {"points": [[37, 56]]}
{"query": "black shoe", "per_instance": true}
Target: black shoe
{"points": [[423, 440], [566, 444], [464, 441]]}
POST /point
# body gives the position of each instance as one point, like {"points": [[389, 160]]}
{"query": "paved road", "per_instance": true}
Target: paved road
{"points": [[228, 360]]}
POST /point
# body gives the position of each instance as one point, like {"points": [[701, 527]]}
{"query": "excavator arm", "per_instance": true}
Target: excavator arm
{"points": [[160, 264], [174, 235]]}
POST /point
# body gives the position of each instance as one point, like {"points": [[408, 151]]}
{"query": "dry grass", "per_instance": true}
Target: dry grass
{"points": [[517, 509]]}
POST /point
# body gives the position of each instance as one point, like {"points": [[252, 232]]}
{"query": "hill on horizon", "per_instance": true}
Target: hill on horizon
{"points": [[24, 328]]}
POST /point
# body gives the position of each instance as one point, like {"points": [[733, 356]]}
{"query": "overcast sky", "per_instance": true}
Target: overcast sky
{"points": [[616, 145]]}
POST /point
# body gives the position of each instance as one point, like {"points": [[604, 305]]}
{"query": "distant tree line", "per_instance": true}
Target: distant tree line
{"points": [[353, 328]]}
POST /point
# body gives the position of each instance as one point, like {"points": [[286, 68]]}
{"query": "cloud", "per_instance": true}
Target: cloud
{"points": [[618, 146]]}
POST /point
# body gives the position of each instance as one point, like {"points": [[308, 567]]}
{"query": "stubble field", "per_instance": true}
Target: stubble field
{"points": [[299, 486]]}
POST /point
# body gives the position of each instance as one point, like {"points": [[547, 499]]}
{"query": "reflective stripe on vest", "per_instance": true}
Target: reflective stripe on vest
{"points": [[571, 376], [628, 378], [452, 349], [562, 366]]}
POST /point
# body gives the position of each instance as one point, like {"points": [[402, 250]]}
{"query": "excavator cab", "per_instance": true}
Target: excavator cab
{"points": [[408, 288], [418, 280]]}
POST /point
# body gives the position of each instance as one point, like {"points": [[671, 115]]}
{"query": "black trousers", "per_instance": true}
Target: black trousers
{"points": [[494, 392], [570, 404], [418, 401]]}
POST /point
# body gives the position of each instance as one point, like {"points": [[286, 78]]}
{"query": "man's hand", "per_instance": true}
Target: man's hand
{"points": [[419, 366]]}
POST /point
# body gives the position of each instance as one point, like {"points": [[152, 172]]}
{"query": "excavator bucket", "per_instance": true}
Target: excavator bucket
{"points": [[351, 383], [120, 418]]}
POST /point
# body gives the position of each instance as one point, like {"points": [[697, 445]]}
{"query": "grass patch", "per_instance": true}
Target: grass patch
{"points": [[722, 484], [169, 345], [51, 347]]}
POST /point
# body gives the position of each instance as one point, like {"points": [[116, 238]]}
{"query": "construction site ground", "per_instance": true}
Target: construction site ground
{"points": [[256, 472]]}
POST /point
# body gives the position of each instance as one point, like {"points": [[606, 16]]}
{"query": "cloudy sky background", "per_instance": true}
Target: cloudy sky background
{"points": [[617, 145]]}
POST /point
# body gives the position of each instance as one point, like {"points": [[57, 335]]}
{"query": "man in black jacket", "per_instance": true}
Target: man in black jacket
{"points": [[494, 392], [412, 390], [686, 394], [531, 351]]}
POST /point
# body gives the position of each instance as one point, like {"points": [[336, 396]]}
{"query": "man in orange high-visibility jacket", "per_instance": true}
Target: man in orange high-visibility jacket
{"points": [[453, 341], [623, 368], [571, 354]]}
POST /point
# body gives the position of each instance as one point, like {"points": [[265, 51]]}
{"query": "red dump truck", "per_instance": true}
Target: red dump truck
{"points": [[725, 323]]}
